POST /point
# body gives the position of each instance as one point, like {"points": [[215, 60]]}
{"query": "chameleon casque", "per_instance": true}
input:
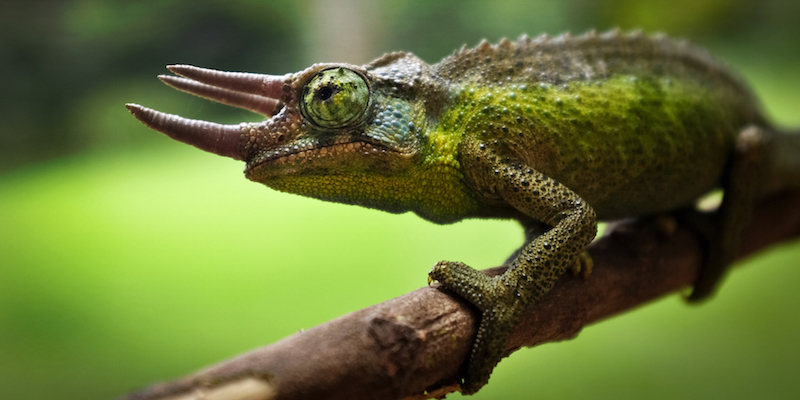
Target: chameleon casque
{"points": [[557, 133]]}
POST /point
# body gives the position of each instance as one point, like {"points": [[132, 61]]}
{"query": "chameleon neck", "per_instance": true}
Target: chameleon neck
{"points": [[435, 192]]}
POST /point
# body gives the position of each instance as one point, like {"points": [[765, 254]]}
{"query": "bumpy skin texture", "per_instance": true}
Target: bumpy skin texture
{"points": [[558, 132]]}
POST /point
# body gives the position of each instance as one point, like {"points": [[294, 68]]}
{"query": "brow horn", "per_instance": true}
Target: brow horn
{"points": [[255, 92], [224, 140]]}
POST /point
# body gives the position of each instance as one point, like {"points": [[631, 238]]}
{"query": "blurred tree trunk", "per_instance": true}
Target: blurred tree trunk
{"points": [[341, 31]]}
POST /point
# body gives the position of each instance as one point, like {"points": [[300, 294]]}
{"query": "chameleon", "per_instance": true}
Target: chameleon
{"points": [[555, 132]]}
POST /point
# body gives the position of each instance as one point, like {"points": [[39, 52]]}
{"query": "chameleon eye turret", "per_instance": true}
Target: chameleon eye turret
{"points": [[336, 98]]}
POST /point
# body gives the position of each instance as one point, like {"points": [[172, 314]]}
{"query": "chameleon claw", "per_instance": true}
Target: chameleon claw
{"points": [[583, 265]]}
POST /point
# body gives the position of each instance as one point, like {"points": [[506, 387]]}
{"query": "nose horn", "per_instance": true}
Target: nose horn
{"points": [[224, 140]]}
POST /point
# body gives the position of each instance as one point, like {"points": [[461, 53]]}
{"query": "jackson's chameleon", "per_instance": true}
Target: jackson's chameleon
{"points": [[554, 132]]}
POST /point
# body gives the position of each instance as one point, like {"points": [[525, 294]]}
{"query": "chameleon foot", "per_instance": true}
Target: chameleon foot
{"points": [[583, 265], [500, 306]]}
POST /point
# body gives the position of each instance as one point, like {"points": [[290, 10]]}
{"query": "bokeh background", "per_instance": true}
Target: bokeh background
{"points": [[126, 258]]}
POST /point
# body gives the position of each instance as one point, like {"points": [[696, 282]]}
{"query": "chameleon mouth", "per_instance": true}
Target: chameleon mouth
{"points": [[311, 151]]}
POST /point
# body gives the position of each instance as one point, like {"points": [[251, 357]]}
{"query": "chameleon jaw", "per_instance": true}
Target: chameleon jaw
{"points": [[302, 157], [302, 153]]}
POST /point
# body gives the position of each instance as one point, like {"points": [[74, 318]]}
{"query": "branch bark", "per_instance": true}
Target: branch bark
{"points": [[418, 342]]}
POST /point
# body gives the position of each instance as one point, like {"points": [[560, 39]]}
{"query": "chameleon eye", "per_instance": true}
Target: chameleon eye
{"points": [[335, 98]]}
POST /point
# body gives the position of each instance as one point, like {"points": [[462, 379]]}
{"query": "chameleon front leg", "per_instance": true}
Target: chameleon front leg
{"points": [[502, 299]]}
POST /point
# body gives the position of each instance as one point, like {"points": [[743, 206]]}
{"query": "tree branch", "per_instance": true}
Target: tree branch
{"points": [[404, 346]]}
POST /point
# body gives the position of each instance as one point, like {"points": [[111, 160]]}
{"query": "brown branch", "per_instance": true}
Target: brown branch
{"points": [[419, 341]]}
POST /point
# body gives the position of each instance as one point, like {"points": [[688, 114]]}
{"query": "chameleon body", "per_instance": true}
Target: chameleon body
{"points": [[554, 132]]}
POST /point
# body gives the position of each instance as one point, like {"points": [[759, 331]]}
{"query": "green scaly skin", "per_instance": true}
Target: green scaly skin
{"points": [[557, 131]]}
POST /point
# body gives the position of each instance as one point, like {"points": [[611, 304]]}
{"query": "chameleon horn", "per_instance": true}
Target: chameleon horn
{"points": [[234, 88], [270, 86], [251, 102], [224, 140]]}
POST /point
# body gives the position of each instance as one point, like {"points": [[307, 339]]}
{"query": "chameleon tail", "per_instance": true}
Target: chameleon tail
{"points": [[765, 161], [783, 163]]}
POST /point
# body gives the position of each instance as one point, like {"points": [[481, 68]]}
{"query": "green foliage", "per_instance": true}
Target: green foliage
{"points": [[61, 60], [119, 271]]}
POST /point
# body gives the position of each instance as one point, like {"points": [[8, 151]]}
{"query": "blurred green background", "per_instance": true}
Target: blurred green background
{"points": [[126, 258]]}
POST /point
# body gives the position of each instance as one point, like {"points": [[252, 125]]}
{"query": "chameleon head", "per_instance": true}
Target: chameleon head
{"points": [[333, 130]]}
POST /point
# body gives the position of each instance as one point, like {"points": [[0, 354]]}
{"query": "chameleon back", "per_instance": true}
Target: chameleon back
{"points": [[646, 119]]}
